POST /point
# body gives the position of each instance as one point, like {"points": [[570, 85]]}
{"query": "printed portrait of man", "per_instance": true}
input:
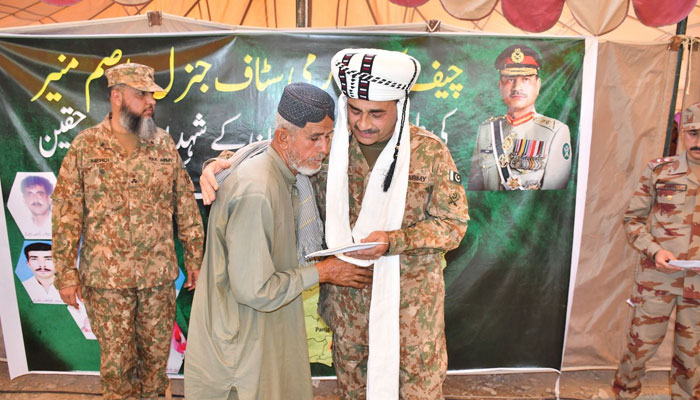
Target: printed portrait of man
{"points": [[30, 203], [36, 191], [39, 285], [521, 150]]}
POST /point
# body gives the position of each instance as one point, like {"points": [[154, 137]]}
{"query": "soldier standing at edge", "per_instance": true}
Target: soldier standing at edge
{"points": [[661, 222]]}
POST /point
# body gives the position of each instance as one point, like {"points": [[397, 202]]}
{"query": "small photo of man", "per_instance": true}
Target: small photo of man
{"points": [[30, 203], [36, 271]]}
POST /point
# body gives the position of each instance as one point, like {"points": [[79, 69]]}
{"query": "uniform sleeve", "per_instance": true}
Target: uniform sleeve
{"points": [[190, 229], [446, 215], [253, 277], [67, 219], [637, 215], [558, 169]]}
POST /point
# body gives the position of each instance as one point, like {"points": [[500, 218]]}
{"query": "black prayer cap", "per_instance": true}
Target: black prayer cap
{"points": [[302, 103]]}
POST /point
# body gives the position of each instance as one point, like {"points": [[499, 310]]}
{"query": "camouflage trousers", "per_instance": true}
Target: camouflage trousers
{"points": [[133, 328], [423, 362], [421, 375], [652, 311]]}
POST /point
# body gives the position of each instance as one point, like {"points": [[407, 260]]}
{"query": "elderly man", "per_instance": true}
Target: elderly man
{"points": [[247, 338], [661, 223], [393, 183], [521, 150], [119, 187]]}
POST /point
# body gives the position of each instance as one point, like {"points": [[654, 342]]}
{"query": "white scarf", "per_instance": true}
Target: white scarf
{"points": [[381, 211]]}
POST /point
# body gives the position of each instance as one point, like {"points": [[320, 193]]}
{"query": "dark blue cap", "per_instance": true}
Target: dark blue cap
{"points": [[302, 103]]}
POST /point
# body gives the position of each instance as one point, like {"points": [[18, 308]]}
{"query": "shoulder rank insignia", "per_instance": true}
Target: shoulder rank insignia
{"points": [[496, 118], [653, 164], [545, 121]]}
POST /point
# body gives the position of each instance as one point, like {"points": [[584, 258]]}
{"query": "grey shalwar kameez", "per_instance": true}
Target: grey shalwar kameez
{"points": [[247, 338]]}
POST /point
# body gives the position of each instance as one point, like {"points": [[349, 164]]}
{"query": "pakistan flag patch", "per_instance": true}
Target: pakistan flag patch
{"points": [[566, 151], [455, 177]]}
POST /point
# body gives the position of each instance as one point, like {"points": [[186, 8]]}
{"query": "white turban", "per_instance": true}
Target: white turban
{"points": [[374, 74]]}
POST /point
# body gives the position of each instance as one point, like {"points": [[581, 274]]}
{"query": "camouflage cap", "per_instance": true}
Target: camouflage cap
{"points": [[518, 60], [138, 76], [690, 118]]}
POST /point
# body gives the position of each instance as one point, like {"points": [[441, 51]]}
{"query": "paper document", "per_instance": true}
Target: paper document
{"points": [[685, 263], [343, 249]]}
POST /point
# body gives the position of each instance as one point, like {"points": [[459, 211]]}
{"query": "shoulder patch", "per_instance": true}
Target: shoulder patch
{"points": [[496, 118], [657, 162], [547, 122], [418, 131], [455, 177]]}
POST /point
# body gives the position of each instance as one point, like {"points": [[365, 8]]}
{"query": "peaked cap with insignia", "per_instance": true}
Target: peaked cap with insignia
{"points": [[518, 60]]}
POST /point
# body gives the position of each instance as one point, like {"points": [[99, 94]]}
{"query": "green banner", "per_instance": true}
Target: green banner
{"points": [[507, 284]]}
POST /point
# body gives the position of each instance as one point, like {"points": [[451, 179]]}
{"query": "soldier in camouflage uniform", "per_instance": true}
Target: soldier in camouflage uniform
{"points": [[119, 187], [661, 223], [434, 220], [521, 150]]}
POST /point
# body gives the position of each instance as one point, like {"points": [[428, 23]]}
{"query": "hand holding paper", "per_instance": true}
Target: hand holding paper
{"points": [[352, 247], [375, 252]]}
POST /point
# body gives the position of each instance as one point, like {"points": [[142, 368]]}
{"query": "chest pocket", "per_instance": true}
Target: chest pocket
{"points": [[102, 185], [670, 198], [156, 180]]}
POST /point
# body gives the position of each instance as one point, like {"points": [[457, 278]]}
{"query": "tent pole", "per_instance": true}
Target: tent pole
{"points": [[680, 30], [301, 13]]}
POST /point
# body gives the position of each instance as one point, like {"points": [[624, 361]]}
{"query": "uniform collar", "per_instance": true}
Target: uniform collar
{"points": [[683, 168], [682, 165], [519, 121]]}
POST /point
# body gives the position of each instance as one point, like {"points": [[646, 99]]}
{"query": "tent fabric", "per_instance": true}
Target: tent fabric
{"points": [[532, 15], [660, 13], [137, 24], [626, 135], [61, 2], [469, 10], [599, 16], [691, 94], [409, 3]]}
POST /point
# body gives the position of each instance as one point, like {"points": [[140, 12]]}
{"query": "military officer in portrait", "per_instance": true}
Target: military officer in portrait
{"points": [[522, 150]]}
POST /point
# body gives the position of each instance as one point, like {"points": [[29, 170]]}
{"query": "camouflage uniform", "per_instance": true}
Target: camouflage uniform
{"points": [[537, 148], [662, 214], [435, 220], [123, 207]]}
